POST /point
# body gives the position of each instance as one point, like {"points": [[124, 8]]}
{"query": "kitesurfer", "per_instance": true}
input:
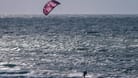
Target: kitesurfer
{"points": [[84, 74]]}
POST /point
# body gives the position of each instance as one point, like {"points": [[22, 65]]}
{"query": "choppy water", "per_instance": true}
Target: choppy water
{"points": [[63, 46]]}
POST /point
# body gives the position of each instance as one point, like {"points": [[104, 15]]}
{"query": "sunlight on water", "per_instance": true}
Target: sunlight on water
{"points": [[65, 46]]}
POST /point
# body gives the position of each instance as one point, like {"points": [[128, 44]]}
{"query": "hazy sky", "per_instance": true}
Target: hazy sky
{"points": [[70, 7]]}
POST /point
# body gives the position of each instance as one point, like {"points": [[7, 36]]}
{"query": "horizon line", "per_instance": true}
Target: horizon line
{"points": [[75, 14]]}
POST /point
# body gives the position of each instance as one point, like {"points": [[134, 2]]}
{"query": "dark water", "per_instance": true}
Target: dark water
{"points": [[63, 46]]}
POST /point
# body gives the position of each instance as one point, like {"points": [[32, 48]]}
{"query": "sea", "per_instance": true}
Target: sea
{"points": [[64, 46]]}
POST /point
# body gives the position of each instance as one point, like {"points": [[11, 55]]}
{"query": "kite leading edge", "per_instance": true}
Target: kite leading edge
{"points": [[49, 6]]}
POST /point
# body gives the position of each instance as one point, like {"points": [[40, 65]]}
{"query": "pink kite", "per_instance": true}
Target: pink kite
{"points": [[50, 6]]}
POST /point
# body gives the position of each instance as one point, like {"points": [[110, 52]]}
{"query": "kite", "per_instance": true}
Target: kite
{"points": [[49, 6]]}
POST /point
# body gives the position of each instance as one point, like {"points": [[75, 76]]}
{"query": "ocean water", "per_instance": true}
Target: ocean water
{"points": [[63, 46]]}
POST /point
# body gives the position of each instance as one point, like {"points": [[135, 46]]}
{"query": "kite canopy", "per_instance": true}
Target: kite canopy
{"points": [[49, 6]]}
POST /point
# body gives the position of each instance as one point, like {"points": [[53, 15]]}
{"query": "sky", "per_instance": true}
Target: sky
{"points": [[70, 7]]}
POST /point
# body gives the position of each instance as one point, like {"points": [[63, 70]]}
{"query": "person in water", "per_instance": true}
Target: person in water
{"points": [[84, 74]]}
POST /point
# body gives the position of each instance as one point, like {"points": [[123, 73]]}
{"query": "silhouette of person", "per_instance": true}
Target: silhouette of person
{"points": [[84, 74]]}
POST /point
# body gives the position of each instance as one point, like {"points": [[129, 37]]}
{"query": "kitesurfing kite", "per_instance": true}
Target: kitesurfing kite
{"points": [[49, 6]]}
